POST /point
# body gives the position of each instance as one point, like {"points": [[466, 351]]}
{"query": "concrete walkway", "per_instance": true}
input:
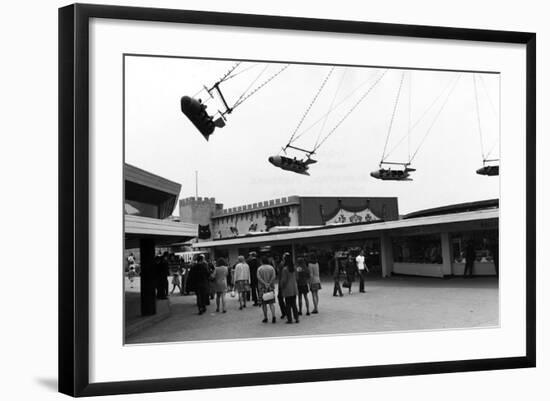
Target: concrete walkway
{"points": [[391, 304]]}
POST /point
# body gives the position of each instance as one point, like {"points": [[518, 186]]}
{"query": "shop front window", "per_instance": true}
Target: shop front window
{"points": [[485, 244], [417, 249]]}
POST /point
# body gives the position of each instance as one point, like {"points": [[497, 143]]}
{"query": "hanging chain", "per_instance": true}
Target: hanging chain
{"points": [[329, 108], [228, 73], [225, 77], [424, 114], [436, 117], [493, 109], [310, 105], [241, 101], [351, 110], [409, 121], [324, 116], [251, 85], [242, 71], [393, 113], [478, 116]]}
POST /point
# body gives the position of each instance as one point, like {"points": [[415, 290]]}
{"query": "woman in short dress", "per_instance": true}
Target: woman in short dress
{"points": [[266, 283], [242, 281], [220, 283], [302, 278], [315, 281]]}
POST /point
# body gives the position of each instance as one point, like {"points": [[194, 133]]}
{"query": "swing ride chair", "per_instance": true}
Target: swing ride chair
{"points": [[387, 174], [301, 166], [489, 170], [195, 110], [293, 164]]}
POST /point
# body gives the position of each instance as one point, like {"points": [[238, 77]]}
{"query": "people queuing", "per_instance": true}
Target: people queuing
{"points": [[265, 281]]}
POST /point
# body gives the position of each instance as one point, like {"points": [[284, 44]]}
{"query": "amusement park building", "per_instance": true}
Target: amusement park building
{"points": [[425, 243], [288, 212]]}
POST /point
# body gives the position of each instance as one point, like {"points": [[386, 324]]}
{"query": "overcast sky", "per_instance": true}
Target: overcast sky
{"points": [[233, 165]]}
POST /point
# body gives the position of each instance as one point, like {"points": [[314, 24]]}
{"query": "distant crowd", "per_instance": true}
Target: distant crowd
{"points": [[261, 281]]}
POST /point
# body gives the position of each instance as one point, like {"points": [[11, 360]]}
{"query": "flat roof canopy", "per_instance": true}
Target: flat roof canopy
{"points": [[325, 232], [163, 231]]}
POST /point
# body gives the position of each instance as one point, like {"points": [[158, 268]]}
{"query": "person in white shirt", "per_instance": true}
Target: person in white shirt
{"points": [[362, 268]]}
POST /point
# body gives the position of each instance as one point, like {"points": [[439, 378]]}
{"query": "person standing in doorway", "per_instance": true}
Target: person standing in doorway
{"points": [[362, 269], [242, 281], [315, 281], [289, 288], [335, 265], [470, 256], [266, 276]]}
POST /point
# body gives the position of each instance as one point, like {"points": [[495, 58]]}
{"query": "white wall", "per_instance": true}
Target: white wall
{"points": [[28, 158]]}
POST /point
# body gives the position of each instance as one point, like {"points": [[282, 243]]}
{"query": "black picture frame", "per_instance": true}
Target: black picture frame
{"points": [[74, 198]]}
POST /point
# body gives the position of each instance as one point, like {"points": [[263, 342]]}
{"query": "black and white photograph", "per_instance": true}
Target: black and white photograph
{"points": [[276, 199]]}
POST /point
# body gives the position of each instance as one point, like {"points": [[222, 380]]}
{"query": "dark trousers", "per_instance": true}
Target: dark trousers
{"points": [[281, 301], [469, 268], [162, 288], [291, 308], [361, 281], [253, 292], [202, 298], [337, 288]]}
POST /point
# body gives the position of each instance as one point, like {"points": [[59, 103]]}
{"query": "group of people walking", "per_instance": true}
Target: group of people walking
{"points": [[347, 272], [256, 279]]}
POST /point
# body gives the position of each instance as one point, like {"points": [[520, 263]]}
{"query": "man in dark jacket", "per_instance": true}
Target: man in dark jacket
{"points": [[253, 264], [470, 259], [198, 281]]}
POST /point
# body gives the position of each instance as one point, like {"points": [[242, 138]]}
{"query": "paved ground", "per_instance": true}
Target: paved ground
{"points": [[391, 304]]}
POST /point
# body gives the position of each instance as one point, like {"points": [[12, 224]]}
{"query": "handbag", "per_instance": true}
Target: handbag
{"points": [[346, 284], [268, 296]]}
